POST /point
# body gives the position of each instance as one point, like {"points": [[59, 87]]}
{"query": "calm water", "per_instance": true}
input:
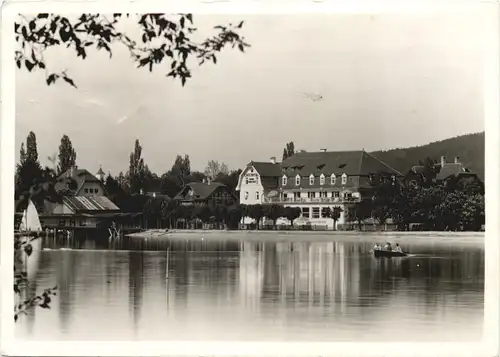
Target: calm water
{"points": [[284, 289]]}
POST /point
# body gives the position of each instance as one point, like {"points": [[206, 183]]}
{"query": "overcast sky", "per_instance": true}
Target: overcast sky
{"points": [[387, 81]]}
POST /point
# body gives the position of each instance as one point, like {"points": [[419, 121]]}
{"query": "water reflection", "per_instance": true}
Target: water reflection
{"points": [[257, 290]]}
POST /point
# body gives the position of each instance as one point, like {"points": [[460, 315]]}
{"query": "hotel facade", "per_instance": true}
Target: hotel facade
{"points": [[312, 181]]}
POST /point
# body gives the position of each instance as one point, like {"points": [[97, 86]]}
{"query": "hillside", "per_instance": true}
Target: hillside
{"points": [[469, 148]]}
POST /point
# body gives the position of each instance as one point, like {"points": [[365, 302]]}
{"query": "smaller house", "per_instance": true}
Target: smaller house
{"points": [[206, 192], [446, 174], [80, 182]]}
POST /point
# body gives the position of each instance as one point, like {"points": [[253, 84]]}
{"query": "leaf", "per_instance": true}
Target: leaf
{"points": [[43, 16], [28, 65], [15, 317], [28, 249], [190, 17], [52, 79], [41, 65], [32, 25], [18, 63], [240, 24]]}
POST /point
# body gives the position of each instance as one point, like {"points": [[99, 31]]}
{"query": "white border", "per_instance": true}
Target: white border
{"points": [[489, 346]]}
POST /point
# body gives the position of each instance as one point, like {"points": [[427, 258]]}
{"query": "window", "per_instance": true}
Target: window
{"points": [[86, 190], [305, 212], [296, 195], [72, 223], [322, 194], [62, 223], [96, 190], [311, 179], [336, 194], [310, 195], [283, 181], [83, 223], [246, 195], [257, 195], [333, 179], [315, 212], [246, 180], [322, 179], [344, 179], [297, 180], [251, 178]]}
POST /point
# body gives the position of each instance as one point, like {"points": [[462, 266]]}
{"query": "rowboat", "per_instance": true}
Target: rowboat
{"points": [[388, 254]]}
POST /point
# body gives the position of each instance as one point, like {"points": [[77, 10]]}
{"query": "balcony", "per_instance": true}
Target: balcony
{"points": [[288, 200]]}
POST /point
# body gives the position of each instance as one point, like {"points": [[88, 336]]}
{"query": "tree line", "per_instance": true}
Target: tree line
{"points": [[427, 204]]}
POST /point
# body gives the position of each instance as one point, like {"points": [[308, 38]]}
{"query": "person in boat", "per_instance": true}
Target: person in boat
{"points": [[388, 247], [377, 247], [398, 248]]}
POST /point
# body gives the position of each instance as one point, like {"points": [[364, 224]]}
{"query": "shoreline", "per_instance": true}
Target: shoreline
{"points": [[313, 236]]}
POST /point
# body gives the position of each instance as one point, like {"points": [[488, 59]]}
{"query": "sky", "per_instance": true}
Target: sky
{"points": [[386, 81]]}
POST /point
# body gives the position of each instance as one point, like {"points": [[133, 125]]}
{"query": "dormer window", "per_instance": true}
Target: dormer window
{"points": [[322, 179], [283, 181], [333, 179], [344, 179], [311, 179], [297, 180]]}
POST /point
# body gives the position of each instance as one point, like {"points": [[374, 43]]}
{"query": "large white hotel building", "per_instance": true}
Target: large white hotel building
{"points": [[311, 181]]}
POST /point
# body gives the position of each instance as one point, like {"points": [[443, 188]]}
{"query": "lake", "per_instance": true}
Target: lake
{"points": [[271, 287]]}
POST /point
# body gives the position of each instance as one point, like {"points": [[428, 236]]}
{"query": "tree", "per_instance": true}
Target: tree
{"points": [[230, 180], [215, 169], [273, 212], [137, 170], [113, 187], [289, 150], [334, 214], [67, 155], [359, 212], [292, 213], [235, 213], [163, 38], [255, 212], [29, 172]]}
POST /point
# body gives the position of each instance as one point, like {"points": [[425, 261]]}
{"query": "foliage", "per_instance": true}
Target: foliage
{"points": [[215, 169], [255, 212], [273, 212], [289, 150], [433, 205], [67, 155], [334, 214], [22, 246], [162, 38], [292, 213], [137, 172]]}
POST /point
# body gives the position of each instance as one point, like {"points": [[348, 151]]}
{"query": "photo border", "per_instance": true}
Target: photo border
{"points": [[490, 344]]}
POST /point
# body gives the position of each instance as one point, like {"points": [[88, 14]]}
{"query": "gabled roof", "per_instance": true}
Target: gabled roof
{"points": [[449, 169], [201, 190], [267, 169], [93, 203], [352, 163], [79, 175]]}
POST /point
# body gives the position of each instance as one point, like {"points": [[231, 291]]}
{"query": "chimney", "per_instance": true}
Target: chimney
{"points": [[324, 150], [273, 160], [457, 160], [443, 160]]}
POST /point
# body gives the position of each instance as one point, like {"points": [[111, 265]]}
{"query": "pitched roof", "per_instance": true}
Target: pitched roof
{"points": [[93, 203], [352, 163], [201, 190], [449, 169], [79, 175], [267, 169]]}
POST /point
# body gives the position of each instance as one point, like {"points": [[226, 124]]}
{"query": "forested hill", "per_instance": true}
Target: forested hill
{"points": [[469, 148]]}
